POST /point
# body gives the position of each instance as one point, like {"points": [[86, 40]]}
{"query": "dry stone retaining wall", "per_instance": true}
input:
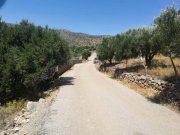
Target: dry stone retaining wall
{"points": [[147, 81], [139, 79]]}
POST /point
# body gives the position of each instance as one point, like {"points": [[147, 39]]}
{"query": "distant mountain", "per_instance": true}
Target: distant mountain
{"points": [[80, 39]]}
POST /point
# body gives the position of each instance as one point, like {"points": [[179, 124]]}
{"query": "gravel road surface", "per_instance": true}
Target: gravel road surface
{"points": [[89, 103]]}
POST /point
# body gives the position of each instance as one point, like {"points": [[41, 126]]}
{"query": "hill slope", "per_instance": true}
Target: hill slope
{"points": [[80, 39]]}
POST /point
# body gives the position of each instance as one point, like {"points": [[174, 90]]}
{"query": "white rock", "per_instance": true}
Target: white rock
{"points": [[16, 129], [31, 106], [41, 100]]}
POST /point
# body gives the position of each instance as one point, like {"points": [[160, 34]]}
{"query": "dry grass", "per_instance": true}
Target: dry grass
{"points": [[161, 67], [159, 72], [149, 93], [8, 111], [146, 92]]}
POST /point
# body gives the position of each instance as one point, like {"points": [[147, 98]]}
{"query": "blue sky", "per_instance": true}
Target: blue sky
{"points": [[96, 17]]}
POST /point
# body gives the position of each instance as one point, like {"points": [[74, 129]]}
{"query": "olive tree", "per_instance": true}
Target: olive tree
{"points": [[105, 51], [168, 24]]}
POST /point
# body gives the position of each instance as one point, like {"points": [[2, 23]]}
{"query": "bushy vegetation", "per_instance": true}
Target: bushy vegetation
{"points": [[133, 43], [86, 54], [163, 37], [27, 51], [78, 51]]}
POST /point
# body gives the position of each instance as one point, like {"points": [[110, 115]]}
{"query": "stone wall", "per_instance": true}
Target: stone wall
{"points": [[147, 81], [166, 92], [139, 79]]}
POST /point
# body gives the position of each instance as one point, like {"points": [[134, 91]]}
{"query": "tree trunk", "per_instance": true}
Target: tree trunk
{"points": [[174, 67], [145, 70], [126, 63], [148, 61]]}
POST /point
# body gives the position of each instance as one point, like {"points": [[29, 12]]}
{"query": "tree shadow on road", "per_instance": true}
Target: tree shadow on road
{"points": [[168, 96], [62, 81]]}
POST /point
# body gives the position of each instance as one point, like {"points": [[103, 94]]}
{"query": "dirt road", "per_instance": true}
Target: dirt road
{"points": [[89, 103]]}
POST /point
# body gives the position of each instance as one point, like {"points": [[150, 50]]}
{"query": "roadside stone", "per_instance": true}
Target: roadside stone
{"points": [[41, 100], [143, 77], [16, 129], [31, 106]]}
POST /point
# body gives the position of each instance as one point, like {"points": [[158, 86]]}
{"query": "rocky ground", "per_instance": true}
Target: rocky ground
{"points": [[30, 119]]}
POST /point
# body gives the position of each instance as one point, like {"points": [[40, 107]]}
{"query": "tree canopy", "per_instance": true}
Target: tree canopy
{"points": [[26, 51], [86, 54], [168, 24], [163, 37], [133, 43]]}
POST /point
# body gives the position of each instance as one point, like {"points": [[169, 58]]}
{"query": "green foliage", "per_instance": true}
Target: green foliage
{"points": [[168, 24], [146, 42], [105, 51], [86, 53], [142, 41], [26, 51], [125, 48], [78, 50]]}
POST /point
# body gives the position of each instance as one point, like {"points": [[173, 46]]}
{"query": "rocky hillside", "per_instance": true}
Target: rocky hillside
{"points": [[80, 39]]}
